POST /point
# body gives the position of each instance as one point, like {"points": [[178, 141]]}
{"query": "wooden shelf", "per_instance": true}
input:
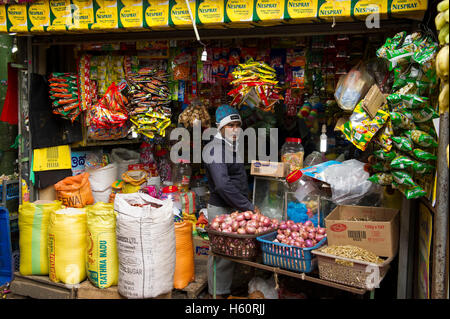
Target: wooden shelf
{"points": [[302, 276]]}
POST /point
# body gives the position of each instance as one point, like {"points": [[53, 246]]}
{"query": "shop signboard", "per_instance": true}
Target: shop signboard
{"points": [[179, 13], [60, 15], [411, 9], [300, 11], [268, 12], [105, 15], [156, 14], [38, 16], [210, 13], [335, 10], [361, 9], [17, 17], [131, 14], [83, 14], [239, 13], [3, 27]]}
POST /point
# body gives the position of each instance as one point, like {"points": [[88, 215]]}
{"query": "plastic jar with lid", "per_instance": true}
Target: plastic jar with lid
{"points": [[292, 180], [292, 152], [172, 193]]}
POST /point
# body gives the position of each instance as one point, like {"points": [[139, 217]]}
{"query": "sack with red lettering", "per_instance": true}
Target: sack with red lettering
{"points": [[75, 191]]}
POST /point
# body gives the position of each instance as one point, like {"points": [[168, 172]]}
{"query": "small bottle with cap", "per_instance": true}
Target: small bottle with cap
{"points": [[323, 139]]}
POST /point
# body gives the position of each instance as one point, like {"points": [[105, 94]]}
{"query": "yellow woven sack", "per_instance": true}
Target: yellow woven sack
{"points": [[102, 262], [67, 245], [33, 232], [133, 181]]}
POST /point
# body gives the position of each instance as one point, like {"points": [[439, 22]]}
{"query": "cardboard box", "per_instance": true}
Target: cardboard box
{"points": [[270, 169], [379, 235], [201, 247], [373, 101]]}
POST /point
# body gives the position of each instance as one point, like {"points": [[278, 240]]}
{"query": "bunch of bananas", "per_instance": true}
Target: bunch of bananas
{"points": [[441, 21], [442, 59]]}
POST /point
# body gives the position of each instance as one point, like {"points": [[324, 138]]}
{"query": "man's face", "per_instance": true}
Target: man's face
{"points": [[231, 131]]}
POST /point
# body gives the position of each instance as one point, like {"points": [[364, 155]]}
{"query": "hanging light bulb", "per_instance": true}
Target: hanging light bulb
{"points": [[14, 48], [204, 55]]}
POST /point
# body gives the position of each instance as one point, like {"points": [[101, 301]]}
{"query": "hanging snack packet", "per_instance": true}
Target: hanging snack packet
{"points": [[403, 178], [422, 115], [382, 155], [422, 155], [384, 136], [383, 179], [402, 162], [423, 168], [361, 128], [427, 127], [401, 121], [421, 138], [402, 143], [410, 101], [410, 192], [391, 44], [382, 167]]}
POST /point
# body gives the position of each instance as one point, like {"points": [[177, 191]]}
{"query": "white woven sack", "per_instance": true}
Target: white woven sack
{"points": [[101, 180], [124, 157], [146, 246]]}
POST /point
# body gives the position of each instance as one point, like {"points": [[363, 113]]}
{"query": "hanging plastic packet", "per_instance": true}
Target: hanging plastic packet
{"points": [[423, 168], [402, 143], [381, 167], [383, 179], [402, 54], [427, 127], [422, 155], [401, 121], [421, 138], [402, 162], [403, 178], [410, 192], [384, 136], [409, 101], [361, 128], [424, 114], [385, 156]]}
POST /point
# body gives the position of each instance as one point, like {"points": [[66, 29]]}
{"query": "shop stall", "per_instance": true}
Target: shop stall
{"points": [[349, 91]]}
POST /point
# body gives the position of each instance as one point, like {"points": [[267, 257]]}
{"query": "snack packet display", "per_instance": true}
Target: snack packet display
{"points": [[255, 85], [149, 97], [403, 143], [383, 179], [383, 155], [403, 178], [421, 138], [422, 155], [63, 93], [400, 121], [410, 192], [402, 162], [360, 129]]}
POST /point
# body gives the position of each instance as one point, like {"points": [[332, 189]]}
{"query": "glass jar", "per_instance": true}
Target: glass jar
{"points": [[292, 152], [200, 189], [182, 175], [172, 193]]}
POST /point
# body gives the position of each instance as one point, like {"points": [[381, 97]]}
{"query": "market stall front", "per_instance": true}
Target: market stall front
{"points": [[350, 87]]}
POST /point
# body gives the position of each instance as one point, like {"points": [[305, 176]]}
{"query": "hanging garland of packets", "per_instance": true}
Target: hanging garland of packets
{"points": [[255, 85], [407, 160]]}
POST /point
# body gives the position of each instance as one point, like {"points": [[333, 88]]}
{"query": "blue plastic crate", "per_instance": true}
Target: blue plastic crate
{"points": [[288, 257], [6, 262], [12, 190]]}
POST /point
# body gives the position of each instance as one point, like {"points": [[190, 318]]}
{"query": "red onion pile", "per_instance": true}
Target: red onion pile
{"points": [[303, 235], [246, 223]]}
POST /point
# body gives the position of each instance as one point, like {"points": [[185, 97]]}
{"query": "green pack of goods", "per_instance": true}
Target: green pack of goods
{"points": [[411, 59]]}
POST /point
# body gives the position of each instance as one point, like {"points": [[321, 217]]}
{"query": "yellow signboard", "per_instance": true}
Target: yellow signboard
{"points": [[156, 14], [337, 10], [39, 15], [17, 18], [301, 10], [60, 15]]}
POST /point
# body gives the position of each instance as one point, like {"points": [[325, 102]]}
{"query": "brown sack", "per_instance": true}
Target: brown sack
{"points": [[75, 191]]}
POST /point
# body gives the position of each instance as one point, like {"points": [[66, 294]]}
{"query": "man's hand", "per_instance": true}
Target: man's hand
{"points": [[257, 210]]}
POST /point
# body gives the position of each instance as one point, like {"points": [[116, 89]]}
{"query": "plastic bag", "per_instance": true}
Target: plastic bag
{"points": [[266, 287], [349, 182], [352, 87], [313, 159], [133, 181], [75, 191]]}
